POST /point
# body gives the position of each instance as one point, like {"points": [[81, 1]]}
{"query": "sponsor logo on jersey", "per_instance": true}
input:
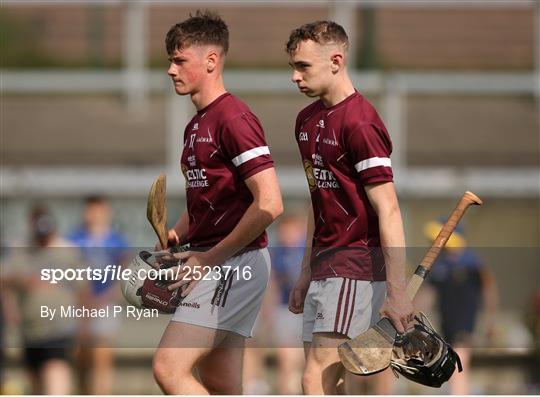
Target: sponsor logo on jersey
{"points": [[317, 160], [195, 177], [321, 124], [312, 182], [196, 174], [184, 169], [303, 136], [331, 142], [325, 178], [195, 127], [205, 139]]}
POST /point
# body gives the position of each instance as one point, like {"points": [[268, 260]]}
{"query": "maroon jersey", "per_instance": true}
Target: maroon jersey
{"points": [[344, 148], [224, 144]]}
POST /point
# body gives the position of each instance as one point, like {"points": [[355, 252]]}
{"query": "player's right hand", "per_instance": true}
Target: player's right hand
{"points": [[172, 240], [298, 293]]}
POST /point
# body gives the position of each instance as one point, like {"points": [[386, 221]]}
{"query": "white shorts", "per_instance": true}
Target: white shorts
{"points": [[342, 305], [230, 304]]}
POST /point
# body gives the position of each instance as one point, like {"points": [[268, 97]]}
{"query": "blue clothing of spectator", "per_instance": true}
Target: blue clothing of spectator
{"points": [[100, 251]]}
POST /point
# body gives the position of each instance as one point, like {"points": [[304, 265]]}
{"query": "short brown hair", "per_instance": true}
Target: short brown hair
{"points": [[322, 32], [202, 28]]}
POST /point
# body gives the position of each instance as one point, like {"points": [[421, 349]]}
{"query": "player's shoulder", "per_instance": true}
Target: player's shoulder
{"points": [[360, 113], [235, 116], [232, 107], [359, 109]]}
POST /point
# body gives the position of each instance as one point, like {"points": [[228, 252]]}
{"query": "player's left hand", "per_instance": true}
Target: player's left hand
{"points": [[194, 267], [399, 309]]}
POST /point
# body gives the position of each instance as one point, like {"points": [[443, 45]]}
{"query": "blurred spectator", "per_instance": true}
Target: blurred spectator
{"points": [[101, 246], [2, 317], [532, 320], [463, 285], [47, 342], [276, 325], [286, 262]]}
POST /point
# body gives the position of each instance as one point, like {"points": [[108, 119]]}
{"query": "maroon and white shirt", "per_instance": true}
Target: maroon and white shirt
{"points": [[344, 148], [224, 144]]}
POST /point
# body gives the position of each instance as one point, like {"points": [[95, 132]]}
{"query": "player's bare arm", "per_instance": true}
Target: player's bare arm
{"points": [[397, 307], [298, 294], [179, 231], [265, 208]]}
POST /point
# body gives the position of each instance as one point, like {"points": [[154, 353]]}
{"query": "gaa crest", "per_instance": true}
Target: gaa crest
{"points": [[312, 182]]}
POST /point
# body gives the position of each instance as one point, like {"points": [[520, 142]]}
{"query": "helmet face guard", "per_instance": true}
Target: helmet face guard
{"points": [[422, 356]]}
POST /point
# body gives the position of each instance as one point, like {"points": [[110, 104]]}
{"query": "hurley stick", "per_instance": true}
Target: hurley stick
{"points": [[156, 209], [371, 351]]}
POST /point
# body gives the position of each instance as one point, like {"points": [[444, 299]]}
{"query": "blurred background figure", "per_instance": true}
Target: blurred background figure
{"points": [[3, 254], [47, 345], [101, 246], [463, 285], [532, 320], [276, 325], [286, 263]]}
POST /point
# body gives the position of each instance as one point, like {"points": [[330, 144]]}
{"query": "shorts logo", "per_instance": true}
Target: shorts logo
{"points": [[312, 182], [320, 316], [193, 305]]}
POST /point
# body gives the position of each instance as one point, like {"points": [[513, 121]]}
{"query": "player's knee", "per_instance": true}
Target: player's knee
{"points": [[165, 369], [321, 378], [161, 372]]}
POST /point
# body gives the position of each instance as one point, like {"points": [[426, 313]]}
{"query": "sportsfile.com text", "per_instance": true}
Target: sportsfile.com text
{"points": [[116, 273]]}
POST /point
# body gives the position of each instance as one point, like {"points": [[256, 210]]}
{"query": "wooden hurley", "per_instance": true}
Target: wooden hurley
{"points": [[371, 351], [156, 209]]}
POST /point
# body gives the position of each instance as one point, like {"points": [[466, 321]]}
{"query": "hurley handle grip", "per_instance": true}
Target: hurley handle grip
{"points": [[448, 228]]}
